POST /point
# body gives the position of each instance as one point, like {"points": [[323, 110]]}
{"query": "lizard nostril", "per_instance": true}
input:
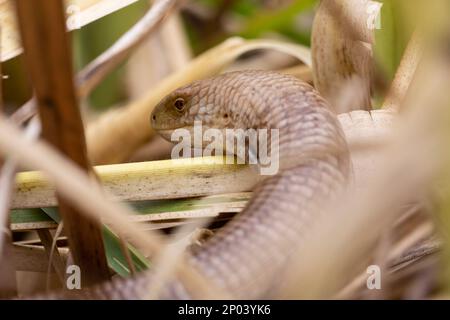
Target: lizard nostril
{"points": [[154, 117]]}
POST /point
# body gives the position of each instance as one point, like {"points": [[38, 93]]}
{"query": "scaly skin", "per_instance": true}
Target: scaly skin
{"points": [[248, 255]]}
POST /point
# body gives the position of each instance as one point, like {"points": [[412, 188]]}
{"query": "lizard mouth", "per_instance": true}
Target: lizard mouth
{"points": [[166, 133]]}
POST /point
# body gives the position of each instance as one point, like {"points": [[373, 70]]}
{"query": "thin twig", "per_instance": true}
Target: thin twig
{"points": [[48, 58], [54, 252], [54, 260], [25, 112], [95, 71]]}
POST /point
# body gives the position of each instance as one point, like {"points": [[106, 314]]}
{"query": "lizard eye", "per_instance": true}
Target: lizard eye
{"points": [[179, 104]]}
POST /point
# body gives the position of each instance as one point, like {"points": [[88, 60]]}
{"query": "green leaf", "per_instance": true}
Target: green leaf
{"points": [[28, 215], [265, 21], [115, 257], [392, 39], [52, 213], [113, 249]]}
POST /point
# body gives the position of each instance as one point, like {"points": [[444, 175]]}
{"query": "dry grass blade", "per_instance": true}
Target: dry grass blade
{"points": [[81, 13], [54, 259], [165, 51], [94, 72], [342, 51], [25, 112], [405, 73], [10, 43]]}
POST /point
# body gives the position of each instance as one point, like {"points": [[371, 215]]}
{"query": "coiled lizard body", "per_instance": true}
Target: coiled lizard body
{"points": [[249, 255]]}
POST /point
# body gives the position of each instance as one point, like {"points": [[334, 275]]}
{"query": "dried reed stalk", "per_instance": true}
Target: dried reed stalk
{"points": [[47, 54]]}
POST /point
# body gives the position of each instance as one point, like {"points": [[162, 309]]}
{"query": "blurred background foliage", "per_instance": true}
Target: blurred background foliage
{"points": [[207, 23], [392, 38]]}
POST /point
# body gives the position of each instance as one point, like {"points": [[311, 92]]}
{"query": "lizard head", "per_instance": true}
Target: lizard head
{"points": [[188, 105]]}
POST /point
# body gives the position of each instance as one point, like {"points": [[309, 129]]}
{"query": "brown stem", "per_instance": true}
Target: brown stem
{"points": [[8, 286], [47, 55]]}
